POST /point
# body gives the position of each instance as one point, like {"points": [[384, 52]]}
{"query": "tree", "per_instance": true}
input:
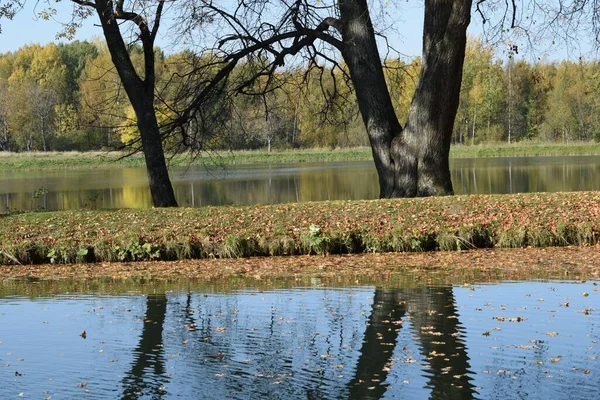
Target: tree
{"points": [[5, 140], [139, 87], [103, 103], [75, 55], [410, 160]]}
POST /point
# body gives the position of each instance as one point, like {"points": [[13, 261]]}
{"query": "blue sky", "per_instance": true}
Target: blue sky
{"points": [[404, 17], [27, 28]]}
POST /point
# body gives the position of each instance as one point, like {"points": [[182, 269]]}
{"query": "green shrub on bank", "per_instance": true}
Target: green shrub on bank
{"points": [[441, 223]]}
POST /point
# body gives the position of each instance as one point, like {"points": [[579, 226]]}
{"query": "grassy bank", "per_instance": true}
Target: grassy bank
{"points": [[443, 223], [55, 160], [525, 149]]}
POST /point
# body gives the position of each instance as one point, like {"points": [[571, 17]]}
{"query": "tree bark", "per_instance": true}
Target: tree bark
{"points": [[414, 160], [141, 95]]}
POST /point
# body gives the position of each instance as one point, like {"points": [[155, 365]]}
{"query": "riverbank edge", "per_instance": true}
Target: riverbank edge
{"points": [[315, 228], [75, 160], [406, 269]]}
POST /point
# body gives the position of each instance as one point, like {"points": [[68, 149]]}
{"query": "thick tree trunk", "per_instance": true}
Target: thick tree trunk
{"points": [[141, 96], [361, 54], [412, 161], [156, 166], [434, 105]]}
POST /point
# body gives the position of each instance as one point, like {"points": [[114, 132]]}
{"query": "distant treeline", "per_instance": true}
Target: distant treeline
{"points": [[69, 97]]}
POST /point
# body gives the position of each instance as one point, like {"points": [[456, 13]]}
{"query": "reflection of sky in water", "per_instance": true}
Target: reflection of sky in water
{"points": [[307, 343], [196, 186]]}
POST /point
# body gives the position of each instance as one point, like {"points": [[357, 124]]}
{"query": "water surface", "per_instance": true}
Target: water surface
{"points": [[509, 340], [267, 184]]}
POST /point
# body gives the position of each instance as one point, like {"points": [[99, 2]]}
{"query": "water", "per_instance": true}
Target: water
{"points": [[509, 340], [264, 184]]}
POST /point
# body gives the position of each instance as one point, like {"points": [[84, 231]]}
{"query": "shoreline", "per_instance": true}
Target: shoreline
{"points": [[89, 160], [573, 262]]}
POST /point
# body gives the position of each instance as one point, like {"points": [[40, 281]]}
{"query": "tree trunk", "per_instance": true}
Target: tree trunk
{"points": [[412, 161], [361, 54], [43, 132], [141, 96], [6, 144]]}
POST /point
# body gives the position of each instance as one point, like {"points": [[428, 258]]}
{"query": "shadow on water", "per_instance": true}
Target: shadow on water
{"points": [[147, 376]]}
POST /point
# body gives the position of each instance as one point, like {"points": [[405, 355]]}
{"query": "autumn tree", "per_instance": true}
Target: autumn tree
{"points": [[5, 139]]}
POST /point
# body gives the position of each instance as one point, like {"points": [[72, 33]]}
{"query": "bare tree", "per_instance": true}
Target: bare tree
{"points": [[410, 160]]}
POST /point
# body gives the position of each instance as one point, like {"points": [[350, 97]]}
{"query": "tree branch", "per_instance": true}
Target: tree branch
{"points": [[85, 3]]}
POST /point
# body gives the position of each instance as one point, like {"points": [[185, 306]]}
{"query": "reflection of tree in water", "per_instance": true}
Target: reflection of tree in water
{"points": [[433, 316], [435, 320], [289, 359], [378, 345], [147, 375]]}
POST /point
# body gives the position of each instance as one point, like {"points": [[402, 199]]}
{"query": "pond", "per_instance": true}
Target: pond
{"points": [[534, 339], [196, 186]]}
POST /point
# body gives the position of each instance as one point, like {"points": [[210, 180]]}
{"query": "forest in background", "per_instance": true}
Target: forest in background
{"points": [[69, 97]]}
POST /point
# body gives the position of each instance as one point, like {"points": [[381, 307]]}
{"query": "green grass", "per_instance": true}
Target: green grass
{"points": [[440, 223], [525, 149], [75, 160]]}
